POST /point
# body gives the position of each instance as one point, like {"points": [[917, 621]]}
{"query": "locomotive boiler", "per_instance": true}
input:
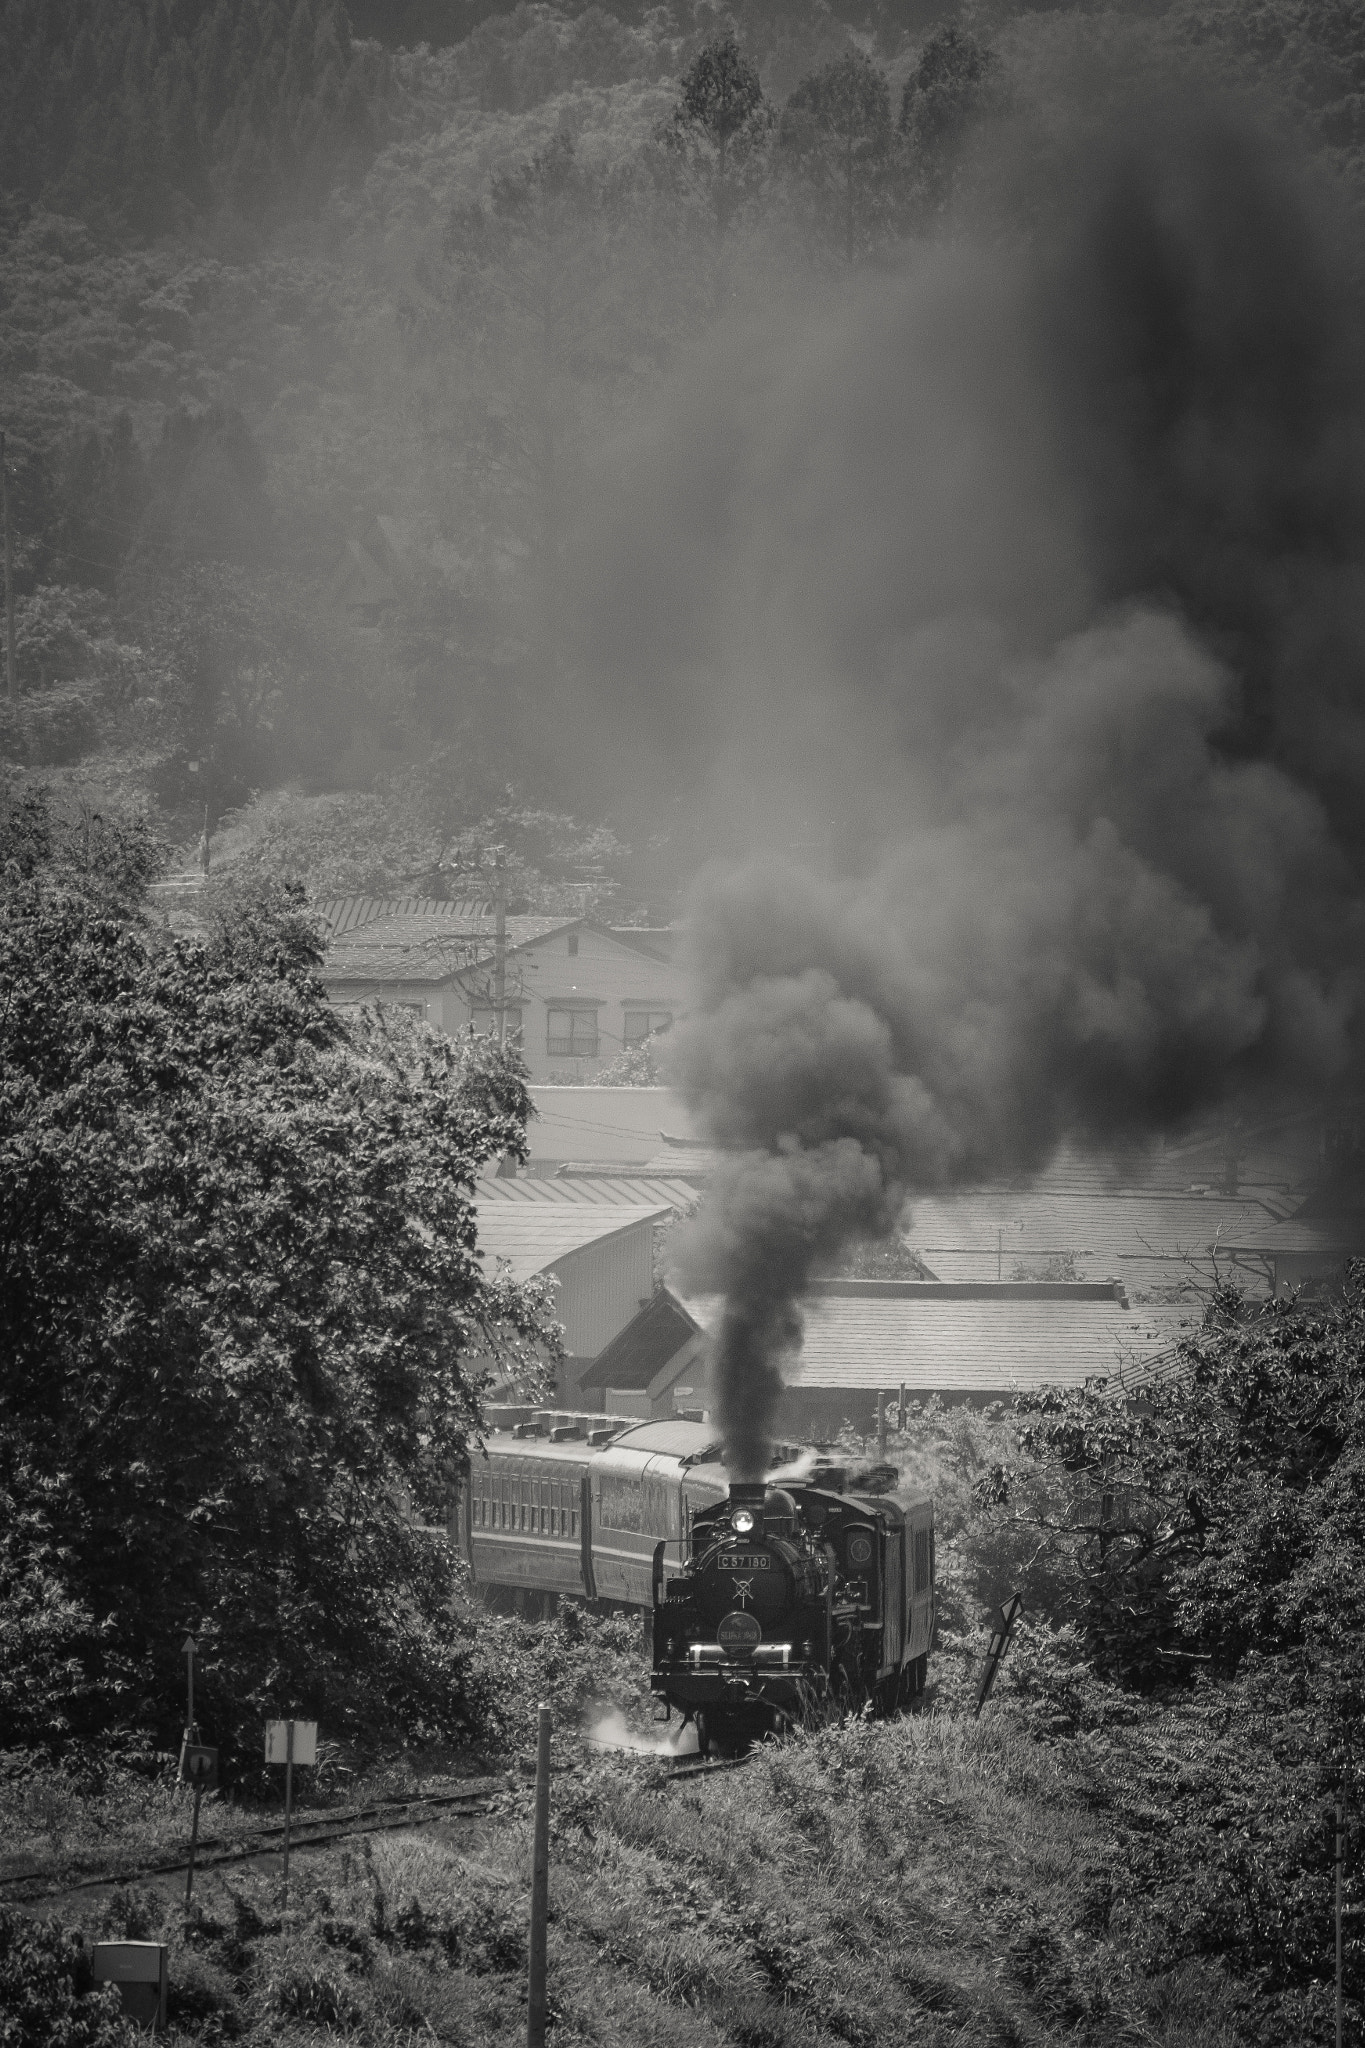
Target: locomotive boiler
{"points": [[794, 1603]]}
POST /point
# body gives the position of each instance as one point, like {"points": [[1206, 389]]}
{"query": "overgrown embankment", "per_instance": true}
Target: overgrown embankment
{"points": [[932, 1878]]}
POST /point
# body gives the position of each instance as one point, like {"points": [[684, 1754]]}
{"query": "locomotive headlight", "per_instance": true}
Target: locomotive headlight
{"points": [[742, 1521]]}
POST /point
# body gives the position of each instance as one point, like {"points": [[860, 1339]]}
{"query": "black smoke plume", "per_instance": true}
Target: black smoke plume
{"points": [[1028, 589]]}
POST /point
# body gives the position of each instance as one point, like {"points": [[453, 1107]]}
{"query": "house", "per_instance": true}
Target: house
{"points": [[641, 1372], [867, 1340], [602, 1258], [575, 994]]}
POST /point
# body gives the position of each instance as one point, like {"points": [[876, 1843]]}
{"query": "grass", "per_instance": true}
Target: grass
{"points": [[57, 1827], [931, 1879], [60, 1825]]}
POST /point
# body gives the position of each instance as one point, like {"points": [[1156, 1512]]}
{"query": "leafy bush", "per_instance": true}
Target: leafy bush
{"points": [[48, 1998], [579, 1664]]}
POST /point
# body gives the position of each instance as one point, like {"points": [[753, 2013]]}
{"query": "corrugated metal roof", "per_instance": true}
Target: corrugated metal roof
{"points": [[598, 1191], [982, 1346], [531, 1237], [348, 913]]}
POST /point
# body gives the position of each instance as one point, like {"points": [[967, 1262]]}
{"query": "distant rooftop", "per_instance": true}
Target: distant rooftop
{"points": [[348, 913], [534, 1236], [987, 1341], [594, 1190]]}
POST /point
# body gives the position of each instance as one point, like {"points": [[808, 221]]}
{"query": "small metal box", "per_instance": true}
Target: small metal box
{"points": [[139, 1970]]}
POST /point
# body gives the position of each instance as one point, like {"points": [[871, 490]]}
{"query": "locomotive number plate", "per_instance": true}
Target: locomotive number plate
{"points": [[733, 1561]]}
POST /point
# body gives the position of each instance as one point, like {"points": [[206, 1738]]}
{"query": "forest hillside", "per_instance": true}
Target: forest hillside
{"points": [[316, 324]]}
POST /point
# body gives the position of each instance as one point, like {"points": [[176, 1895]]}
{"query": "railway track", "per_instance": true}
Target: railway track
{"points": [[28, 1887], [421, 1810]]}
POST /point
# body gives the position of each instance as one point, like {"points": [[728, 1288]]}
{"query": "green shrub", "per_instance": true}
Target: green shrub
{"points": [[47, 1996], [302, 1988]]}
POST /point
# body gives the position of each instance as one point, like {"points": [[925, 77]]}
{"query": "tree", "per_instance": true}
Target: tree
{"points": [[243, 1319], [944, 94], [721, 110], [836, 132], [1216, 1527]]}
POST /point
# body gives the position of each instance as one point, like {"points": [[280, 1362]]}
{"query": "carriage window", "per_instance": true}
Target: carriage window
{"points": [[921, 1559], [573, 1519]]}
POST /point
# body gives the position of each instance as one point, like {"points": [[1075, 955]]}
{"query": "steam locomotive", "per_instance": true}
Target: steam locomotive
{"points": [[805, 1594], [796, 1602]]}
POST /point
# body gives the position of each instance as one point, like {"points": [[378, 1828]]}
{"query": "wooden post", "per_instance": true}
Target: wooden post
{"points": [[288, 1799], [1338, 1857], [500, 948], [540, 1889], [901, 1411], [881, 1425], [9, 576], [194, 1842]]}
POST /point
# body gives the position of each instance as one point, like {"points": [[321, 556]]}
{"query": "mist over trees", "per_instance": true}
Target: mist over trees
{"points": [[273, 274]]}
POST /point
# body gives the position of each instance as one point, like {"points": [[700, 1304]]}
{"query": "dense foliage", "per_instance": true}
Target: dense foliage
{"points": [[47, 1996], [1192, 1566], [244, 1323], [279, 285]]}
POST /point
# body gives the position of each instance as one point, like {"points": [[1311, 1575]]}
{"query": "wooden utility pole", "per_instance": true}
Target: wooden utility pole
{"points": [[500, 946], [1338, 1858], [540, 1889], [9, 574]]}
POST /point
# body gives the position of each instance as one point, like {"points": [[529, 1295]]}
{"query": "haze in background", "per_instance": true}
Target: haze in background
{"points": [[1022, 592]]}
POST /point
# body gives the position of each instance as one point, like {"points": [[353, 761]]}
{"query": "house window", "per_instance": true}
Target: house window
{"points": [[573, 944], [572, 1031], [413, 1009], [643, 1024], [484, 1018]]}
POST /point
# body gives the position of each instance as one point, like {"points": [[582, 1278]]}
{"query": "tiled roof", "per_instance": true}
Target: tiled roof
{"points": [[534, 1236], [598, 1190], [382, 966], [420, 947], [1150, 1241], [973, 1343], [646, 1345], [975, 1346], [696, 1164], [1155, 1173]]}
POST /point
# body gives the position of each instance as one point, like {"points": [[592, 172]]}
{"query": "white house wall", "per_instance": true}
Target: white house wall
{"points": [[604, 973]]}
